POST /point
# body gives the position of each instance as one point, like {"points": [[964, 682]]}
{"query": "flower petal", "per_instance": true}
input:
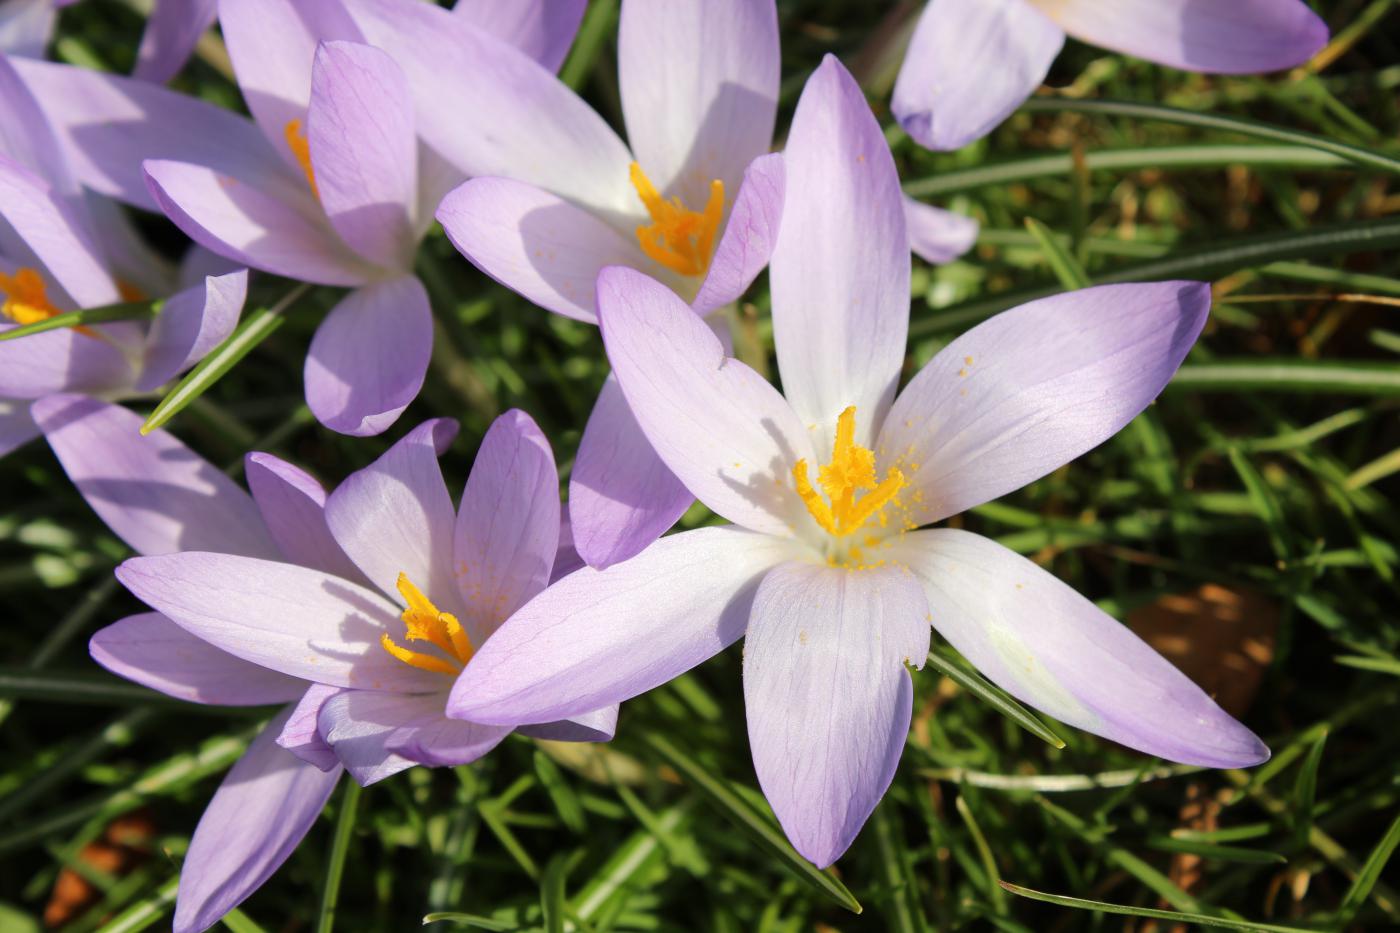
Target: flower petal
{"points": [[260, 812], [1026, 392], [1051, 648], [278, 229], [357, 724], [535, 243], [155, 652], [369, 357], [749, 235], [272, 44], [840, 270], [155, 493], [937, 236], [464, 79], [395, 515], [109, 125], [597, 726], [26, 26], [599, 637], [566, 559], [292, 504], [542, 29], [172, 31], [622, 497], [365, 151], [699, 83], [49, 227], [302, 734], [969, 65], [507, 529], [17, 426], [828, 696], [25, 134], [289, 618], [190, 324], [63, 360], [721, 428], [443, 742], [1240, 37]]}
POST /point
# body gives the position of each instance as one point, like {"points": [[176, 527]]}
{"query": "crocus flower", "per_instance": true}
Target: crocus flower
{"points": [[556, 195], [385, 634], [326, 184], [62, 251], [972, 62], [160, 497], [823, 571]]}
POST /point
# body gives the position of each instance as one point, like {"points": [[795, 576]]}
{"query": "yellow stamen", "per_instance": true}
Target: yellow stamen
{"points": [[424, 622], [26, 298], [852, 468], [677, 237], [301, 151]]}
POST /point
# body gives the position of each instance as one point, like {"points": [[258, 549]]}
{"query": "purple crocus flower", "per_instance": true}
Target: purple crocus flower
{"points": [[972, 62], [419, 589], [823, 572], [556, 195], [61, 250], [160, 497], [326, 184]]}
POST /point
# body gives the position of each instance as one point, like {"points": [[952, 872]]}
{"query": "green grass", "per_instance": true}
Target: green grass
{"points": [[1268, 467]]}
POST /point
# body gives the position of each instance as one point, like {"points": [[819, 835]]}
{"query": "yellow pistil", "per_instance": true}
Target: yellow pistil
{"points": [[852, 469], [678, 238], [423, 622], [26, 299], [301, 151]]}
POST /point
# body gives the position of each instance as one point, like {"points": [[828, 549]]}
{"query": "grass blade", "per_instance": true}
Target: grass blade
{"points": [[1204, 920], [1212, 259], [1342, 377], [126, 311], [1122, 160], [1214, 121], [78, 687], [758, 825], [1305, 793], [472, 921], [256, 328], [1066, 268], [565, 801], [1368, 876], [996, 698], [335, 860], [552, 894], [906, 915], [145, 912]]}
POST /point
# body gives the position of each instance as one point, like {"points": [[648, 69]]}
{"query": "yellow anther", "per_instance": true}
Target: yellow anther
{"points": [[852, 469], [424, 622], [26, 298], [677, 237], [301, 151]]}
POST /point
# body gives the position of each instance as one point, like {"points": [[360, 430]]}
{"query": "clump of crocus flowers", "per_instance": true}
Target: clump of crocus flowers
{"points": [[395, 628]]}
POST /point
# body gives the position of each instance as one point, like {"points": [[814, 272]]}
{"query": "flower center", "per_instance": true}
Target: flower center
{"points": [[677, 237], [26, 300], [301, 151], [423, 622], [852, 469]]}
